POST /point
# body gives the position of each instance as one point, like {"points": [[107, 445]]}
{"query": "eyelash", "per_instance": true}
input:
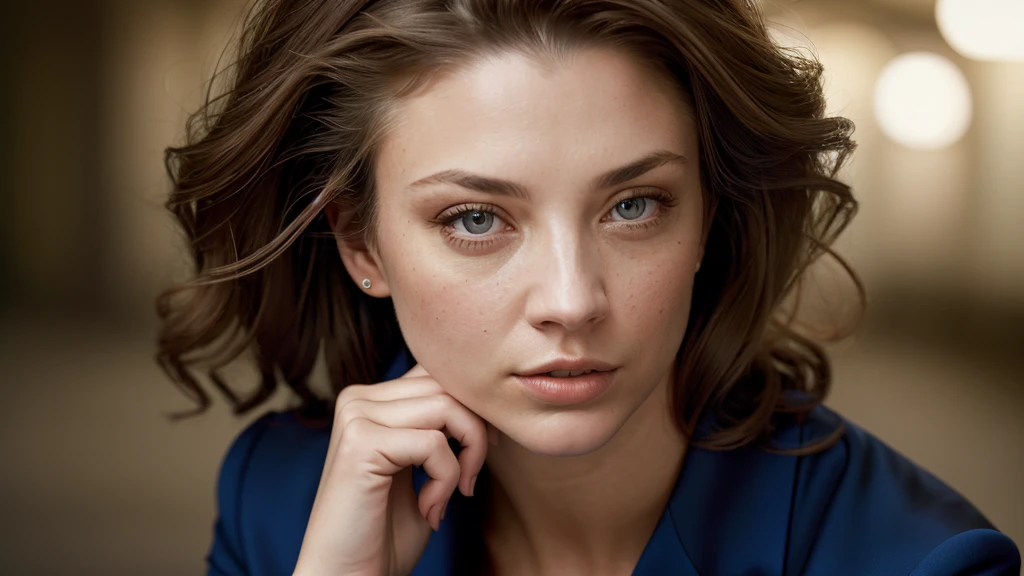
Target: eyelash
{"points": [[446, 219]]}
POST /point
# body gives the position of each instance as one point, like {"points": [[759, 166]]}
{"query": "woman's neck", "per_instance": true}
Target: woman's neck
{"points": [[590, 514]]}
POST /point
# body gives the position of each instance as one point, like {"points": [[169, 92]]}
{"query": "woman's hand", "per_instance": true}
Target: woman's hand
{"points": [[366, 518]]}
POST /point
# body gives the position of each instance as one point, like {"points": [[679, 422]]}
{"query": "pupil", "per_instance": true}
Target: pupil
{"points": [[477, 222], [633, 208]]}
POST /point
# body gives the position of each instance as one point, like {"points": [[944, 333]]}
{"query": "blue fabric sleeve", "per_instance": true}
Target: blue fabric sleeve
{"points": [[227, 555], [979, 552]]}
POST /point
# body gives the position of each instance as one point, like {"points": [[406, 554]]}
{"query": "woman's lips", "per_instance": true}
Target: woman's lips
{"points": [[568, 390]]}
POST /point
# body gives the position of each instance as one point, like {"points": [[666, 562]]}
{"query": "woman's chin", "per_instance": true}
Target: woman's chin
{"points": [[563, 438]]}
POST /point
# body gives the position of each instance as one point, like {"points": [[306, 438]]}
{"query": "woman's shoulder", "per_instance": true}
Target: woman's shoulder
{"points": [[862, 503], [856, 507], [278, 447], [265, 491]]}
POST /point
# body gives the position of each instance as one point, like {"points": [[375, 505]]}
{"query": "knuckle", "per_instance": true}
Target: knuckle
{"points": [[348, 394], [355, 432], [442, 402], [436, 440], [349, 411]]}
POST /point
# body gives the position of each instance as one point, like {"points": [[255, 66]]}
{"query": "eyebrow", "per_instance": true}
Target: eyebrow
{"points": [[500, 187]]}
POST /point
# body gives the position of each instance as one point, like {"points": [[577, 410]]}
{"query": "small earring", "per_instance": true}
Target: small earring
{"points": [[366, 283], [698, 267]]}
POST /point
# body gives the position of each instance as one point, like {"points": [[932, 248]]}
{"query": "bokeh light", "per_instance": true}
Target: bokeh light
{"points": [[923, 101], [983, 29]]}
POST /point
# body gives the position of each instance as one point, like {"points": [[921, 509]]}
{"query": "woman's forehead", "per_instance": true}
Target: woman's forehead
{"points": [[509, 114]]}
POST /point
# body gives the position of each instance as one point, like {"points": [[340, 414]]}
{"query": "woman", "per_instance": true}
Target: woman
{"points": [[556, 236]]}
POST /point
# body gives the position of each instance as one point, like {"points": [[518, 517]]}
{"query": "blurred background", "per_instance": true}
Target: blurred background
{"points": [[98, 480]]}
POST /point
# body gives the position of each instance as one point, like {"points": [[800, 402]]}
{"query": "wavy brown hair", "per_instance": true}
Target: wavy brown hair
{"points": [[311, 95]]}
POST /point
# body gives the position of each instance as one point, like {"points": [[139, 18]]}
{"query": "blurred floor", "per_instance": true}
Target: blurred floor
{"points": [[99, 482]]}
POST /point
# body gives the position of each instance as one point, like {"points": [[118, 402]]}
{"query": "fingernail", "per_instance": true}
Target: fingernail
{"points": [[472, 485], [430, 519]]}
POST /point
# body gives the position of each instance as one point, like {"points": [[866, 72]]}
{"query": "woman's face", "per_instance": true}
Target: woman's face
{"points": [[554, 261]]}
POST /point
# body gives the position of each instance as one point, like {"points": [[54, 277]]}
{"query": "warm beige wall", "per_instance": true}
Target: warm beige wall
{"points": [[159, 56], [930, 221]]}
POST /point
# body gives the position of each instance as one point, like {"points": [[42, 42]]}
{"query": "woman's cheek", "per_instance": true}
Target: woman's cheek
{"points": [[446, 327], [661, 304]]}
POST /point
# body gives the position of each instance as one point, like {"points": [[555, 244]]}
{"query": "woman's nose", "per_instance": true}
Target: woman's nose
{"points": [[566, 282]]}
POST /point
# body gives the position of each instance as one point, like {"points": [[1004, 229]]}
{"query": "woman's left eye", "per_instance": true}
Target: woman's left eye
{"points": [[643, 209], [634, 208]]}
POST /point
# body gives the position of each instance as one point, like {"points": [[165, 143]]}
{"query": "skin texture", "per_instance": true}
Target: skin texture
{"points": [[558, 274]]}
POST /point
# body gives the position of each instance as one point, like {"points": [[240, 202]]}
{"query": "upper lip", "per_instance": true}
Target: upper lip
{"points": [[575, 364]]}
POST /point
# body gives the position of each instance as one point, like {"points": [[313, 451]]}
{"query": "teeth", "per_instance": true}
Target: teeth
{"points": [[568, 373]]}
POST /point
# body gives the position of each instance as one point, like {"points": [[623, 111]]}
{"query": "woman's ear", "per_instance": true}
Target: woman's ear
{"points": [[360, 261]]}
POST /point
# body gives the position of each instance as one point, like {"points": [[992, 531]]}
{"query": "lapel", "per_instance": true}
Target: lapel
{"points": [[728, 515], [734, 512], [731, 511]]}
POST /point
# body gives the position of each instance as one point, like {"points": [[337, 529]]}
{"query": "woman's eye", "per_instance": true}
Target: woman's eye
{"points": [[633, 208], [476, 222], [472, 227]]}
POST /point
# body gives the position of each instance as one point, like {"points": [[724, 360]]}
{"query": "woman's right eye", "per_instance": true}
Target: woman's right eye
{"points": [[476, 222], [471, 226]]}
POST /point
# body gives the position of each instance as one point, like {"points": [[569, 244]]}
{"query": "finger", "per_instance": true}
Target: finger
{"points": [[417, 370], [391, 389], [435, 412], [387, 451], [382, 391]]}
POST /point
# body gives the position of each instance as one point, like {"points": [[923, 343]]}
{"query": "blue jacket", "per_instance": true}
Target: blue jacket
{"points": [[857, 508]]}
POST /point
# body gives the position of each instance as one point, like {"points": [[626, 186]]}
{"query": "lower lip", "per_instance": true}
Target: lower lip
{"points": [[568, 390]]}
